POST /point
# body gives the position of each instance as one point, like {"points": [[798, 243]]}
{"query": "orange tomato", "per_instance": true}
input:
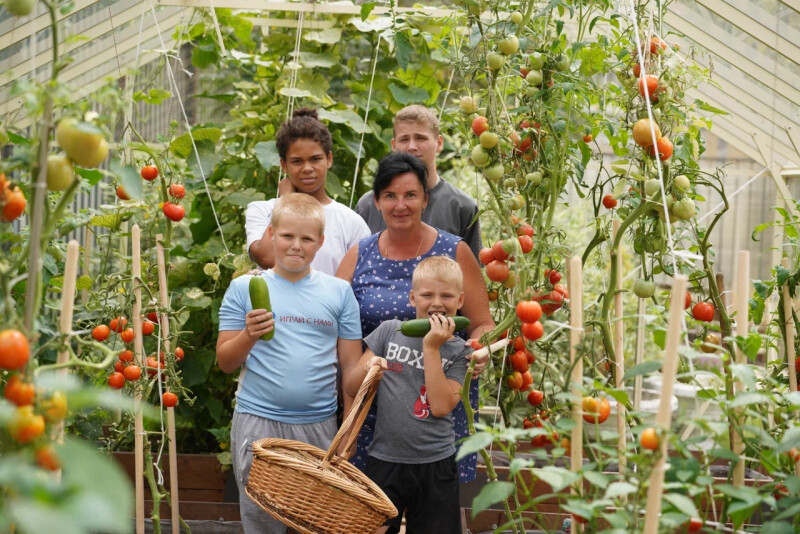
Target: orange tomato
{"points": [[25, 425], [132, 372], [101, 332], [116, 381], [19, 392], [532, 331], [47, 458], [127, 335], [179, 354], [118, 324], [55, 407], [514, 381], [649, 439], [14, 350]]}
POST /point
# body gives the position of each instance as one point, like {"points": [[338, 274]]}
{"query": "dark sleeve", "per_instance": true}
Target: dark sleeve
{"points": [[377, 340], [472, 233], [366, 208]]}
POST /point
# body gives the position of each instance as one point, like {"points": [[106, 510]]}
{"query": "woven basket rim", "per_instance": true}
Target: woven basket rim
{"points": [[340, 473]]}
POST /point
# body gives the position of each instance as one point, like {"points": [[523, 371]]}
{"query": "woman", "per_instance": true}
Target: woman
{"points": [[380, 270], [304, 146]]}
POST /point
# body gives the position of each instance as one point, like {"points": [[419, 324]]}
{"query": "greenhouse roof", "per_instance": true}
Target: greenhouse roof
{"points": [[749, 46]]}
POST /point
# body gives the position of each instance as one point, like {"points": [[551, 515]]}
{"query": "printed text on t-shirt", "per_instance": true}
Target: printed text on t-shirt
{"points": [[306, 320], [407, 356]]}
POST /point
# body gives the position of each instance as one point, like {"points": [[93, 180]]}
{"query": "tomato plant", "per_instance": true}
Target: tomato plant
{"points": [[703, 311]]}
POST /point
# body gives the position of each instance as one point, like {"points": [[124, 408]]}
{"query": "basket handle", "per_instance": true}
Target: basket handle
{"points": [[357, 415]]}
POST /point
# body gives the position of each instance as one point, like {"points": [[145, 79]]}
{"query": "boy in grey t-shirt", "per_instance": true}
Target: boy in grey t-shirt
{"points": [[412, 457]]}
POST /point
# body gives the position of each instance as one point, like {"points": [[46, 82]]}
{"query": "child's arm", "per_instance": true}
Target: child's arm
{"points": [[443, 393], [353, 376], [233, 346]]}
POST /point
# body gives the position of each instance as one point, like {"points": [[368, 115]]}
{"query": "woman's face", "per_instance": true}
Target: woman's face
{"points": [[401, 203], [306, 165]]}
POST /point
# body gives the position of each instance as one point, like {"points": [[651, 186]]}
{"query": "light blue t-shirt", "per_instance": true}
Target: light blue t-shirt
{"points": [[292, 377]]}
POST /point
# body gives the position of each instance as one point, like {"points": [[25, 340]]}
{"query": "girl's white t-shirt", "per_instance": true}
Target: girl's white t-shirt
{"points": [[343, 229]]}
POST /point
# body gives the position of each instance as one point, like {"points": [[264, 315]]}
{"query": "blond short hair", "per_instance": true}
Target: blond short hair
{"points": [[419, 114], [439, 268], [299, 205]]}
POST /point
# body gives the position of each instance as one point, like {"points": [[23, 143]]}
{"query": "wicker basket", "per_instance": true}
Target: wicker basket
{"points": [[318, 492]]}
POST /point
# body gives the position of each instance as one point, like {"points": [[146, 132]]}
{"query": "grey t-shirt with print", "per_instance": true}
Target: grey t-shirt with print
{"points": [[449, 209], [405, 430]]}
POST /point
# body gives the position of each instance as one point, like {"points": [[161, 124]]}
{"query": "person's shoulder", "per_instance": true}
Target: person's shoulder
{"points": [[327, 280], [261, 205], [240, 283], [343, 212], [453, 192]]}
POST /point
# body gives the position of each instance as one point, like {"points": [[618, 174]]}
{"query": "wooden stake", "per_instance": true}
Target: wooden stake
{"points": [[741, 304], [138, 348], [619, 353], [163, 322], [65, 325], [664, 415], [639, 354], [575, 284]]}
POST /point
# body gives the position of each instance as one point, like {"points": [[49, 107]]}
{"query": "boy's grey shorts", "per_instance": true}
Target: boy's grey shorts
{"points": [[248, 428]]}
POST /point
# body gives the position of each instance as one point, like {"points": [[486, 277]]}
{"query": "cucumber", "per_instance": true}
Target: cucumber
{"points": [[420, 327], [259, 298]]}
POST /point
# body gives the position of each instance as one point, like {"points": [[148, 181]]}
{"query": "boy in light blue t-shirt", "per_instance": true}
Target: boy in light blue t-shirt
{"points": [[288, 384]]}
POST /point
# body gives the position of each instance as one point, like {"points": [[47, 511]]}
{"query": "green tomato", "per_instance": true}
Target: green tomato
{"points": [[644, 289], [509, 183], [494, 172], [480, 157], [652, 243], [489, 139], [520, 180], [531, 91], [516, 17], [536, 61], [60, 173], [534, 77], [682, 183], [495, 60], [20, 8], [684, 209], [509, 45], [468, 104], [562, 63], [534, 177], [652, 187]]}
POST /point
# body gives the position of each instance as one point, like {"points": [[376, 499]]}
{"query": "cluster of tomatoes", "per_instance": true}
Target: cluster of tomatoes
{"points": [[497, 257], [12, 201], [126, 370], [172, 210], [33, 410]]}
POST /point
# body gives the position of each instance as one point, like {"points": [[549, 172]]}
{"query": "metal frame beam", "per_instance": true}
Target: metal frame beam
{"points": [[780, 80], [755, 27], [743, 133], [18, 33], [330, 9], [110, 24], [108, 54]]}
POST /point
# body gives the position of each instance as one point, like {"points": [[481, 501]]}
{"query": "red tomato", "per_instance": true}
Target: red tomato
{"points": [[531, 357], [610, 202], [153, 366], [14, 350], [147, 328], [169, 399], [149, 172], [695, 524], [588, 138], [518, 361], [118, 324], [47, 458], [649, 82], [499, 252], [527, 380], [132, 372], [514, 381], [687, 301], [665, 148], [527, 423], [116, 381], [552, 302], [127, 335], [152, 317], [176, 191], [637, 70], [532, 331], [529, 311], [174, 212], [519, 343], [525, 243], [19, 392], [497, 271], [486, 256], [535, 397], [703, 311], [525, 229], [561, 289], [119, 367], [121, 194], [179, 354], [480, 124], [126, 356], [101, 332], [554, 276], [14, 205]]}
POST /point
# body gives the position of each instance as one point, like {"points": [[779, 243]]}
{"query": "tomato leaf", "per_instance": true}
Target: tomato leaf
{"points": [[557, 478], [92, 176], [491, 493], [129, 179], [644, 368], [681, 503], [474, 443], [366, 9], [618, 489], [181, 146]]}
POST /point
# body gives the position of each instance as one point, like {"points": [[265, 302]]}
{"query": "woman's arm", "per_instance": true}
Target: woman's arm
{"points": [[476, 298], [348, 265], [233, 346]]}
